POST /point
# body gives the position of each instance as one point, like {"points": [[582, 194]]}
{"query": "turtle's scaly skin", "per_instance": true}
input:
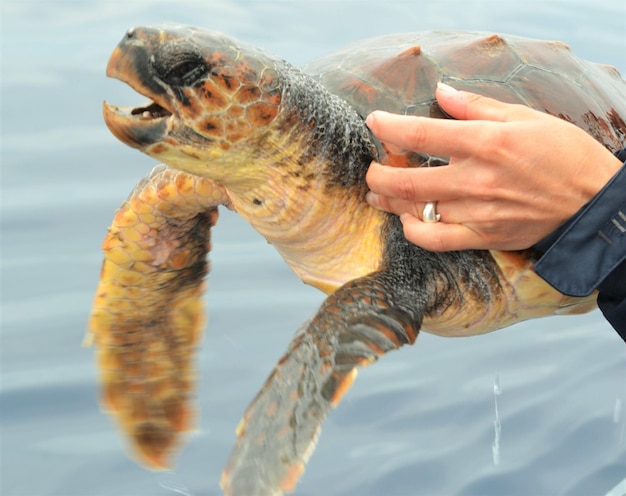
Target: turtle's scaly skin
{"points": [[289, 153], [148, 378]]}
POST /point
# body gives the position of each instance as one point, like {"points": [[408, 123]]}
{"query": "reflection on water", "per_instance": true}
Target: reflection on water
{"points": [[420, 422], [497, 426], [175, 487]]}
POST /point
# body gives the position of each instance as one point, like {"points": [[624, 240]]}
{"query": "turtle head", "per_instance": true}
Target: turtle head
{"points": [[209, 96]]}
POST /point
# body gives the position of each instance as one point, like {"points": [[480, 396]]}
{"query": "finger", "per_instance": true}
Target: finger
{"points": [[416, 185], [400, 207], [444, 137], [440, 236], [470, 106], [461, 211], [394, 205]]}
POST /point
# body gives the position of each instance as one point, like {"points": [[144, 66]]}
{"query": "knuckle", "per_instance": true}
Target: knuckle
{"points": [[432, 241], [492, 140], [416, 134], [491, 220], [437, 243], [485, 184], [513, 111], [474, 98], [492, 211], [504, 141], [405, 188], [482, 185]]}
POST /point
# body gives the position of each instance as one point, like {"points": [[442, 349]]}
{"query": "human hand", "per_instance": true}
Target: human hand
{"points": [[515, 174]]}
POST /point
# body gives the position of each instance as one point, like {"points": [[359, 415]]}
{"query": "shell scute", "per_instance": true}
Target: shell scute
{"points": [[552, 55], [542, 74], [408, 77], [490, 58]]}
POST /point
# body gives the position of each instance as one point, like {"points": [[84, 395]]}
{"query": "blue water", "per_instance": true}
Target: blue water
{"points": [[420, 422]]}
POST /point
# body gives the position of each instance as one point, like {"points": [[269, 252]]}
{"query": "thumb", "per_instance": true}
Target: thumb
{"points": [[471, 106]]}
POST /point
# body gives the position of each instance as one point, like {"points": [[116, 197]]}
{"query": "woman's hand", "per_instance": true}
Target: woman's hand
{"points": [[515, 174]]}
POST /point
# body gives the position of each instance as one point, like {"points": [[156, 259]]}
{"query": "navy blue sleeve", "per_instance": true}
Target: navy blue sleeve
{"points": [[588, 251]]}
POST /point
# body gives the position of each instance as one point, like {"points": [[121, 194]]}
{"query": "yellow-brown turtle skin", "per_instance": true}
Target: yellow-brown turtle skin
{"points": [[289, 151]]}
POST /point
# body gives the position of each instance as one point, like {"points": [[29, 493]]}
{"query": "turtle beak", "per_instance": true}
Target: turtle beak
{"points": [[142, 126], [136, 126]]}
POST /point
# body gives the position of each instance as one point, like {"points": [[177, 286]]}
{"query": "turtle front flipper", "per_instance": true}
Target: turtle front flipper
{"points": [[148, 313], [361, 321]]}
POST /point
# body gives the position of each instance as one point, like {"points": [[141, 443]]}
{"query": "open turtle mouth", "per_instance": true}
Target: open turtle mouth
{"points": [[142, 126], [151, 111], [137, 127]]}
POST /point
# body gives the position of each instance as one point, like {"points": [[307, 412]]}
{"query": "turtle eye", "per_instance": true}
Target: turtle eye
{"points": [[177, 65], [185, 73]]}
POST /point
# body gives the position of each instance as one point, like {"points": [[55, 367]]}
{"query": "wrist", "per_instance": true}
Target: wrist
{"points": [[605, 167], [581, 253]]}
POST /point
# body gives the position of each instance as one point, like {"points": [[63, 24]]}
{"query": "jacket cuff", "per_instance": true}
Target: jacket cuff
{"points": [[582, 252]]}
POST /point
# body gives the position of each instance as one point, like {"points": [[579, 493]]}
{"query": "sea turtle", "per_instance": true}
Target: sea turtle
{"points": [[288, 150]]}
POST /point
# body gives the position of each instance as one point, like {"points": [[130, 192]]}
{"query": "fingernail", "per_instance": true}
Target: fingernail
{"points": [[446, 88], [372, 199], [369, 120], [407, 217]]}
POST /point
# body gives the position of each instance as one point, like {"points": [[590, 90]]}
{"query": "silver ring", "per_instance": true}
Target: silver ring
{"points": [[430, 215]]}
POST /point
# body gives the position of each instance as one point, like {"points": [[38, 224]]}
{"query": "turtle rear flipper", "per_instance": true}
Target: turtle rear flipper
{"points": [[148, 311], [358, 323]]}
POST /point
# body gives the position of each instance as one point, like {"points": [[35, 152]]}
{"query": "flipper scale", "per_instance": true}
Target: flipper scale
{"points": [[148, 312]]}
